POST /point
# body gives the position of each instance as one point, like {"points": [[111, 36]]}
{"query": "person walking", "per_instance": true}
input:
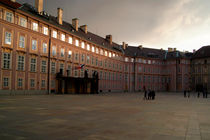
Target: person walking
{"points": [[188, 93], [185, 94]]}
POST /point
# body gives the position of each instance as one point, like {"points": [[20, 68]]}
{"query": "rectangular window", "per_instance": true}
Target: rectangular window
{"points": [[69, 70], [88, 47], [32, 83], [23, 22], [62, 52], [6, 60], [96, 61], [43, 83], [76, 56], [9, 16], [21, 60], [105, 53], [62, 68], [101, 52], [53, 67], [34, 44], [35, 26], [20, 82], [70, 40], [44, 66], [88, 59], [33, 64], [97, 50], [63, 37], [44, 47], [77, 43], [69, 54], [45, 30], [83, 45], [93, 49], [54, 34], [54, 51], [8, 38], [83, 58], [5, 82], [52, 83], [22, 42]]}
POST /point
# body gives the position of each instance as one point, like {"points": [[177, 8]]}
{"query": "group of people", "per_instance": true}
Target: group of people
{"points": [[149, 95], [205, 93]]}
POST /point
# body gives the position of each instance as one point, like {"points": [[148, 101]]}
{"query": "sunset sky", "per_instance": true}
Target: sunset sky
{"points": [[181, 24]]}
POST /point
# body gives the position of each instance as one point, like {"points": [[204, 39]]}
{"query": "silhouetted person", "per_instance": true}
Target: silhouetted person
{"points": [[198, 94], [149, 95], [204, 93], [153, 94], [145, 95], [185, 93]]}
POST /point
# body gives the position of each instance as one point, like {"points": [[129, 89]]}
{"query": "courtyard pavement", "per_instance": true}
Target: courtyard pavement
{"points": [[111, 116]]}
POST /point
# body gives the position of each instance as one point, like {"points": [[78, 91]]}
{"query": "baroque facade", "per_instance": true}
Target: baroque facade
{"points": [[35, 46]]}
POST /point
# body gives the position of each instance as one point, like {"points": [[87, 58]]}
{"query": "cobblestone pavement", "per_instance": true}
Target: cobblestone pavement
{"points": [[113, 116]]}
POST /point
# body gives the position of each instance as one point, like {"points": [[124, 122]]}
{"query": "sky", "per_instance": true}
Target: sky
{"points": [[181, 24]]}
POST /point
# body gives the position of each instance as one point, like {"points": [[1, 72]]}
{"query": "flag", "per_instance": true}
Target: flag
{"points": [[80, 67]]}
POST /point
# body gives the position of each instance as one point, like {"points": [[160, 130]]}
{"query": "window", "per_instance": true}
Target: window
{"points": [[101, 52], [105, 53], [53, 84], [20, 82], [77, 43], [88, 59], [93, 49], [76, 56], [113, 54], [9, 16], [22, 42], [110, 54], [62, 67], [83, 45], [32, 83], [53, 67], [54, 51], [88, 47], [70, 40], [6, 60], [83, 58], [23, 22], [34, 44], [44, 66], [92, 60], [69, 70], [44, 47], [21, 63], [43, 83], [54, 34], [97, 50], [69, 54], [62, 52], [96, 61], [8, 38], [5, 82], [63, 37], [35, 26], [33, 64], [45, 30], [76, 73]]}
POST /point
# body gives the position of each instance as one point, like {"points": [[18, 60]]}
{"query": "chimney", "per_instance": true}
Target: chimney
{"points": [[75, 23], [13, 0], [38, 5], [140, 47], [84, 28], [194, 50], [170, 49], [124, 46], [174, 49], [60, 16], [109, 38]]}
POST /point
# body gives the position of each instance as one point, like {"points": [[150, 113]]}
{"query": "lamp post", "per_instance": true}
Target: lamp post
{"points": [[134, 69]]}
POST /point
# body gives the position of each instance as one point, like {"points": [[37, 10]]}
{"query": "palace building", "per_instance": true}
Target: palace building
{"points": [[36, 46]]}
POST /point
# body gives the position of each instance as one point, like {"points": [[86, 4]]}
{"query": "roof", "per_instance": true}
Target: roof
{"points": [[91, 37], [203, 52], [133, 51], [11, 4]]}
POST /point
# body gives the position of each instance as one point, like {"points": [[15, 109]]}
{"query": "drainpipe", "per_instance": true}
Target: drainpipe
{"points": [[48, 73]]}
